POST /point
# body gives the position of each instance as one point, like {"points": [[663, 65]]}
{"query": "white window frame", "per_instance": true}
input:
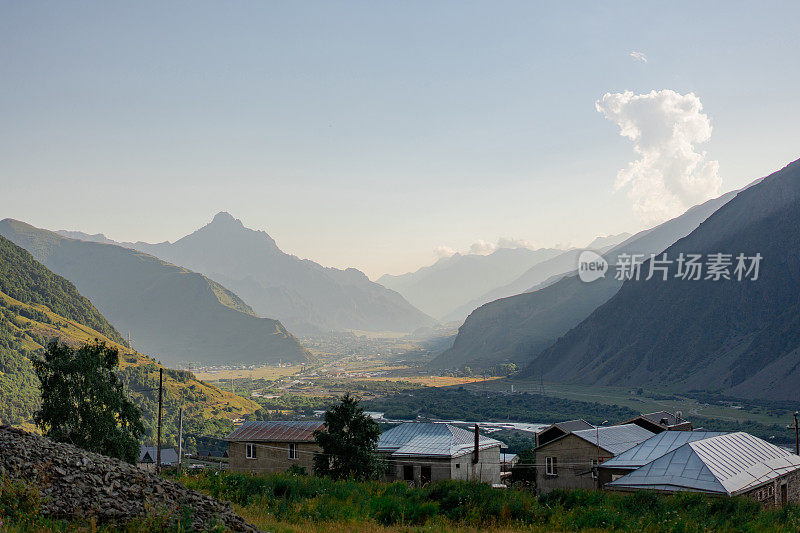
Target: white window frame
{"points": [[250, 450], [551, 466], [292, 450]]}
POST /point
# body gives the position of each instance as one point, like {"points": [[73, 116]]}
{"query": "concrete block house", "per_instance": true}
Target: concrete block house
{"points": [[274, 446], [421, 452]]}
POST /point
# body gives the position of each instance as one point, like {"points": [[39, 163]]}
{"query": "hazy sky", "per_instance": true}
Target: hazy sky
{"points": [[369, 134]]}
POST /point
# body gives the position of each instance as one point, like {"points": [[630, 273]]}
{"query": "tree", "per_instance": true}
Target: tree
{"points": [[349, 443], [83, 402]]}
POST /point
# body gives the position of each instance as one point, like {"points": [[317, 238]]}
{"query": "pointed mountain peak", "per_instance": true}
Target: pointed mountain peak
{"points": [[223, 217]]}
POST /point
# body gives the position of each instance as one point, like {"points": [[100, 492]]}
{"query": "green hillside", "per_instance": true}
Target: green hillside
{"points": [[27, 325], [172, 313]]}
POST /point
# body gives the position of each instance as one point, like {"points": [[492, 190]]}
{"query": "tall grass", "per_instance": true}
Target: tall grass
{"points": [[304, 504]]}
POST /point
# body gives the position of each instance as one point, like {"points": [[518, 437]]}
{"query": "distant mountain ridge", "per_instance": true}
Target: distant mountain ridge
{"points": [[516, 329], [30, 295], [738, 337], [452, 282], [305, 296], [174, 314]]}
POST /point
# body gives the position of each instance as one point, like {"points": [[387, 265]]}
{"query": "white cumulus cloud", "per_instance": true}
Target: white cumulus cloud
{"points": [[482, 247], [639, 56], [670, 175], [443, 251]]}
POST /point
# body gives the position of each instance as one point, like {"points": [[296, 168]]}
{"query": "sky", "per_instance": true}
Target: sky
{"points": [[382, 135]]}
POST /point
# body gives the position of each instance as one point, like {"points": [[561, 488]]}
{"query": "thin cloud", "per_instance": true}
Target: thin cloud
{"points": [[670, 176], [638, 56]]}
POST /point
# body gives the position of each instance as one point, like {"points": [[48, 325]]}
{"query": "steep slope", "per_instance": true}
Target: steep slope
{"points": [[454, 281], [302, 294], [29, 294], [741, 337], [539, 275], [172, 313], [518, 328]]}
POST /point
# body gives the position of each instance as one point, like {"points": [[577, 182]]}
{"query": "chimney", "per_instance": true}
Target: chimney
{"points": [[475, 453]]}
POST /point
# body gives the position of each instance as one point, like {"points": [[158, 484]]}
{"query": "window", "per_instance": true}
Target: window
{"points": [[551, 466], [458, 465], [408, 473], [425, 475], [250, 450], [292, 450]]}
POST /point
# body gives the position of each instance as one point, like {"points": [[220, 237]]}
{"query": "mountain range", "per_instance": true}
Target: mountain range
{"points": [[305, 296], [172, 313], [37, 306], [540, 274], [454, 281], [741, 338], [517, 328]]}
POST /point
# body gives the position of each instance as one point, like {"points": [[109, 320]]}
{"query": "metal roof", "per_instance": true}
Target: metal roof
{"points": [[569, 425], [278, 431], [731, 464], [149, 454], [430, 439], [655, 447], [615, 439]]}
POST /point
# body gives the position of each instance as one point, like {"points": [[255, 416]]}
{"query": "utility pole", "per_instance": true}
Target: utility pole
{"points": [[180, 440], [796, 440], [160, 403]]}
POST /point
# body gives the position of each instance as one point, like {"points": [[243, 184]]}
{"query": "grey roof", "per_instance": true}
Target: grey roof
{"points": [[430, 439], [276, 431], [730, 464], [149, 454], [570, 425], [615, 439], [655, 447]]}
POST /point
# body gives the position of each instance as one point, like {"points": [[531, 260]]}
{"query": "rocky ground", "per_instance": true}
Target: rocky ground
{"points": [[76, 484]]}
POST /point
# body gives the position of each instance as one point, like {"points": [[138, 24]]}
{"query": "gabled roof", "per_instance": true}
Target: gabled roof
{"points": [[149, 454], [277, 431], [661, 418], [729, 464], [569, 425], [615, 439], [430, 439], [655, 447]]}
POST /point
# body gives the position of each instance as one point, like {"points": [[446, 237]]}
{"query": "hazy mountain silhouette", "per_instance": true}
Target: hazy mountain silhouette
{"points": [[516, 329], [540, 274], [740, 337], [305, 296], [453, 281], [173, 314]]}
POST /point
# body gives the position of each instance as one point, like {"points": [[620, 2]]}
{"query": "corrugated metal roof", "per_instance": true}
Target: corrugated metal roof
{"points": [[430, 439], [149, 454], [726, 464], [615, 439], [277, 431], [656, 446], [572, 425]]}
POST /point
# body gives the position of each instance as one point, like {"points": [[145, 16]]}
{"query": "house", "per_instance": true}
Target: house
{"points": [[421, 452], [648, 451], [568, 461], [508, 461], [148, 456], [661, 421], [731, 464], [559, 429], [210, 453], [270, 447]]}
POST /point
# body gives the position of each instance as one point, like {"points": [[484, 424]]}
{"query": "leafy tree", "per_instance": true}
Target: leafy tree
{"points": [[83, 402], [349, 443]]}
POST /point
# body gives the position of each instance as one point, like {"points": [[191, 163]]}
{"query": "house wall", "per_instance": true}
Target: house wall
{"points": [[487, 470], [271, 457], [773, 498], [574, 461]]}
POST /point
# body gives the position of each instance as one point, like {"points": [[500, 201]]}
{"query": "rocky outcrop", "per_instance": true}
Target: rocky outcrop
{"points": [[76, 484]]}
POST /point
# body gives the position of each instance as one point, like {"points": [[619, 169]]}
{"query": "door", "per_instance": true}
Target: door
{"points": [[408, 472], [784, 494], [425, 475]]}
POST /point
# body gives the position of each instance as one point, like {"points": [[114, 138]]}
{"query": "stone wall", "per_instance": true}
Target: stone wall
{"points": [[76, 484], [574, 462], [771, 494]]}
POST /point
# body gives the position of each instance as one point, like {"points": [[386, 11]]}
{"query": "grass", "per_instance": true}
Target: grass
{"points": [[310, 504]]}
